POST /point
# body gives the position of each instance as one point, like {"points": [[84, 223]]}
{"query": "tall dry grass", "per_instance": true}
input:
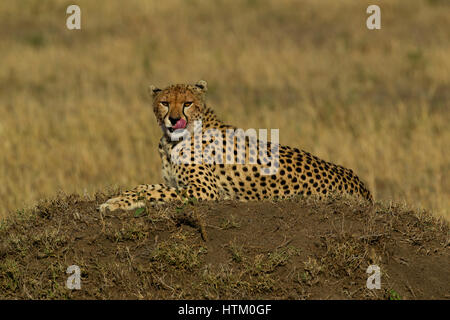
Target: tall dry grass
{"points": [[75, 115]]}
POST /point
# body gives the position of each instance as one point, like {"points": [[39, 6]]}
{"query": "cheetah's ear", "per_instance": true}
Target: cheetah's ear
{"points": [[153, 90], [202, 85]]}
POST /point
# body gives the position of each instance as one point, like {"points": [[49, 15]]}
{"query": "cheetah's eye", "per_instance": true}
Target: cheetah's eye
{"points": [[164, 103], [187, 104]]}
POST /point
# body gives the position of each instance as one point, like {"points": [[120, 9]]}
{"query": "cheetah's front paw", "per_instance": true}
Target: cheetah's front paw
{"points": [[120, 203], [110, 206]]}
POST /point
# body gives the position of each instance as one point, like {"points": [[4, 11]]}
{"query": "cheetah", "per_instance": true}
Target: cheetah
{"points": [[243, 178]]}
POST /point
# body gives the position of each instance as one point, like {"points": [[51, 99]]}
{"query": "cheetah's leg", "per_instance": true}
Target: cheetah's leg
{"points": [[155, 193], [136, 197]]}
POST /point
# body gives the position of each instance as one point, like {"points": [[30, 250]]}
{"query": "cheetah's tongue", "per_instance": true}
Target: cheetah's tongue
{"points": [[181, 124]]}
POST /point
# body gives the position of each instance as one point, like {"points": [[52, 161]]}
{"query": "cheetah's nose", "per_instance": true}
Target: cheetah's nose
{"points": [[173, 121]]}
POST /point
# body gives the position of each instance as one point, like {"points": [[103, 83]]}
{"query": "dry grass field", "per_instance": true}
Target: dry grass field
{"points": [[75, 114]]}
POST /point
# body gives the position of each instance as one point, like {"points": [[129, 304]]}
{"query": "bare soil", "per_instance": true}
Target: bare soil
{"points": [[293, 249]]}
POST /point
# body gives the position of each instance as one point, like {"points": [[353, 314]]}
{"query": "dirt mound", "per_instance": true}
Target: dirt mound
{"points": [[295, 249]]}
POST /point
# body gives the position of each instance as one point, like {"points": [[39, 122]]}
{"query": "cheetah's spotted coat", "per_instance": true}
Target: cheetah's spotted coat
{"points": [[299, 172]]}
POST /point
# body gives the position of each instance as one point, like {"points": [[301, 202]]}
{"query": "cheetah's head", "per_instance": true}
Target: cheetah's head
{"points": [[179, 105]]}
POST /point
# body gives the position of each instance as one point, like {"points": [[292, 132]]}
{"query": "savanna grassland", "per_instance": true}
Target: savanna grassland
{"points": [[75, 113]]}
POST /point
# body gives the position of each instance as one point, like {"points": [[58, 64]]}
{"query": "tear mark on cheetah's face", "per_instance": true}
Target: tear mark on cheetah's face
{"points": [[178, 106]]}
